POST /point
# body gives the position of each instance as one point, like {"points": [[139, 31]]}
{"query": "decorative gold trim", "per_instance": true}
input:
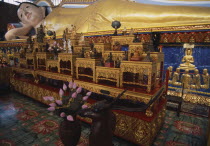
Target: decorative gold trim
{"points": [[190, 97]]}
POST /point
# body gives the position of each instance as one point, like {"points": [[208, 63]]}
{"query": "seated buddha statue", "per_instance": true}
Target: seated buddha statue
{"points": [[196, 80], [170, 69], [186, 79], [206, 79], [136, 56], [188, 60], [176, 77]]}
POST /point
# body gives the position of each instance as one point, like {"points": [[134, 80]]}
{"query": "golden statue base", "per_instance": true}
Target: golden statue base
{"points": [[187, 67]]}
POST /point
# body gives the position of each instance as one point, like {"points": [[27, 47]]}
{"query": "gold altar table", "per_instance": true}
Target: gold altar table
{"points": [[31, 60], [23, 63], [102, 47], [146, 73], [108, 73], [78, 49], [55, 76], [123, 40], [157, 57], [41, 58], [51, 64], [70, 60], [87, 63], [135, 127], [135, 47]]}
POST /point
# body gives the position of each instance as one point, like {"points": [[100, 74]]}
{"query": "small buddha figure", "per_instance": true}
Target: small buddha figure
{"points": [[29, 50], [131, 32], [170, 69], [117, 63], [93, 53], [186, 79], [205, 77], [101, 63], [109, 62], [64, 45], [54, 35], [188, 60], [196, 80], [73, 31], [124, 31], [2, 51], [40, 34], [136, 39], [69, 46], [136, 56], [176, 78], [13, 51], [117, 46], [125, 56], [82, 40], [22, 52]]}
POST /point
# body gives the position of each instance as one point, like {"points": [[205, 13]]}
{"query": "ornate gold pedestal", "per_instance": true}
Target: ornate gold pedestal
{"points": [[135, 47], [86, 63], [142, 69], [29, 57], [102, 47], [123, 40], [43, 56], [108, 73], [137, 127], [68, 57]]}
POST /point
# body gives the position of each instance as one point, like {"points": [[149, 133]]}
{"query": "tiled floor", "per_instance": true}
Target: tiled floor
{"points": [[25, 122]]}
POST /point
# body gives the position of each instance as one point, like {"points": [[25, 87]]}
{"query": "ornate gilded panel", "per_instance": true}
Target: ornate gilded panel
{"points": [[102, 47], [86, 63], [135, 47], [115, 55], [108, 73], [123, 40], [147, 69]]}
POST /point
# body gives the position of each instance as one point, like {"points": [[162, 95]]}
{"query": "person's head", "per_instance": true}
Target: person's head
{"points": [[30, 13]]}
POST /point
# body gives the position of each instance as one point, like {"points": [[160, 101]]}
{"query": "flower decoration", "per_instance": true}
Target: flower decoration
{"points": [[70, 105]]}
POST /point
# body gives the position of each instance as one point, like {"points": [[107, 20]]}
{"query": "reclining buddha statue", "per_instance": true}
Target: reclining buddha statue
{"points": [[99, 16]]}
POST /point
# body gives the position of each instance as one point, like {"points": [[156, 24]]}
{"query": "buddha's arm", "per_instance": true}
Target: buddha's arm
{"points": [[17, 32], [192, 60], [183, 59]]}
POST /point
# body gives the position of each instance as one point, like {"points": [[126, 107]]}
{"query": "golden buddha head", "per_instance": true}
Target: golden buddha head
{"points": [[196, 71], [178, 70], [205, 71], [30, 14], [170, 68]]}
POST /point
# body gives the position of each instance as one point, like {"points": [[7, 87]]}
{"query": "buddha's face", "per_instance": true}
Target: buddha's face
{"points": [[178, 70], [188, 52], [30, 14], [205, 71], [196, 71]]}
